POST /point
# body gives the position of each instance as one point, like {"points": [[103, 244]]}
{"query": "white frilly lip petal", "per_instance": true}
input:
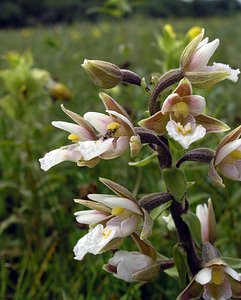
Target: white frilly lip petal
{"points": [[197, 132], [226, 150], [90, 216], [232, 273], [99, 121], [54, 157], [219, 67], [129, 225], [204, 276], [92, 149], [113, 201], [94, 241], [201, 57], [81, 132]]}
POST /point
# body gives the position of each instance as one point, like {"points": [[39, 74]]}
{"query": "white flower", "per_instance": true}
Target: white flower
{"points": [[216, 281], [124, 265], [95, 136], [194, 63], [119, 215], [182, 117]]}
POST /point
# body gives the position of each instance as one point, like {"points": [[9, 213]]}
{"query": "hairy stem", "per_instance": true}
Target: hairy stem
{"points": [[185, 237], [165, 81], [161, 146], [130, 77]]}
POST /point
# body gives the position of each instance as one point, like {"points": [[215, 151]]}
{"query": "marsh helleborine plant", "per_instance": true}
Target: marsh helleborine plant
{"points": [[180, 117]]}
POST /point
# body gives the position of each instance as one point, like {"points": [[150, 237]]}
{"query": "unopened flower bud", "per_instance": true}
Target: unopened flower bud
{"points": [[104, 74], [206, 216]]}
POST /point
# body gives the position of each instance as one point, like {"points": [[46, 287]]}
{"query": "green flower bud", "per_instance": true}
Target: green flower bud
{"points": [[104, 74]]}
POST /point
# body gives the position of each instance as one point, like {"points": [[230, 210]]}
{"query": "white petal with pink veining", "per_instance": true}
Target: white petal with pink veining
{"points": [[231, 171], [120, 145], [90, 216], [81, 132], [202, 55], [128, 263], [121, 117], [113, 201], [99, 121], [226, 150]]}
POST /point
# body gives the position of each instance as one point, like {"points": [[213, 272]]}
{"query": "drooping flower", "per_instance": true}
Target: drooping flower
{"points": [[95, 136], [112, 218], [216, 281], [206, 216], [194, 63], [182, 117], [227, 159], [126, 265]]}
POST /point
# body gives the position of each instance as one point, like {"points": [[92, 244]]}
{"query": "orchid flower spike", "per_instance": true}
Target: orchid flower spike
{"points": [[182, 117], [112, 218], [227, 159], [95, 136], [194, 63]]}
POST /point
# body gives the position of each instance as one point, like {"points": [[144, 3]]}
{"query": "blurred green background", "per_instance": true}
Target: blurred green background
{"points": [[37, 227]]}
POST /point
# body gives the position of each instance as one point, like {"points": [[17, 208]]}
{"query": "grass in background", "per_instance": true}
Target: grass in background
{"points": [[37, 227]]}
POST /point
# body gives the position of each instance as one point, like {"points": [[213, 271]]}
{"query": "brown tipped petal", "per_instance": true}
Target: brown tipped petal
{"points": [[111, 104], [193, 291], [211, 124], [157, 122], [213, 175], [233, 135], [147, 225], [117, 188]]}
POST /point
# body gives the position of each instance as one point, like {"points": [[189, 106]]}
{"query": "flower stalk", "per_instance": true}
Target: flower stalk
{"points": [[169, 78]]}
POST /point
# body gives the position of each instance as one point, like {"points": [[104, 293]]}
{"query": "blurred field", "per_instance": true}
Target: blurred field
{"points": [[37, 227]]}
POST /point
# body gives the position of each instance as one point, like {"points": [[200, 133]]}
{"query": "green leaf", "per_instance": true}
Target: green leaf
{"points": [[155, 213], [234, 263], [144, 161], [180, 257], [176, 182], [194, 226]]}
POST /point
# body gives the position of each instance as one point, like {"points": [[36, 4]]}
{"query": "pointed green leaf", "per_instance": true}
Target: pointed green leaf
{"points": [[180, 257], [176, 182], [155, 213], [194, 226]]}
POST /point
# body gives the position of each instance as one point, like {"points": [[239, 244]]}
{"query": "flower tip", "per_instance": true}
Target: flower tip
{"points": [[85, 63]]}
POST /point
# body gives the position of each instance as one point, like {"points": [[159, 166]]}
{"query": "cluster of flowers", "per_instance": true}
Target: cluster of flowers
{"points": [[97, 136]]}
